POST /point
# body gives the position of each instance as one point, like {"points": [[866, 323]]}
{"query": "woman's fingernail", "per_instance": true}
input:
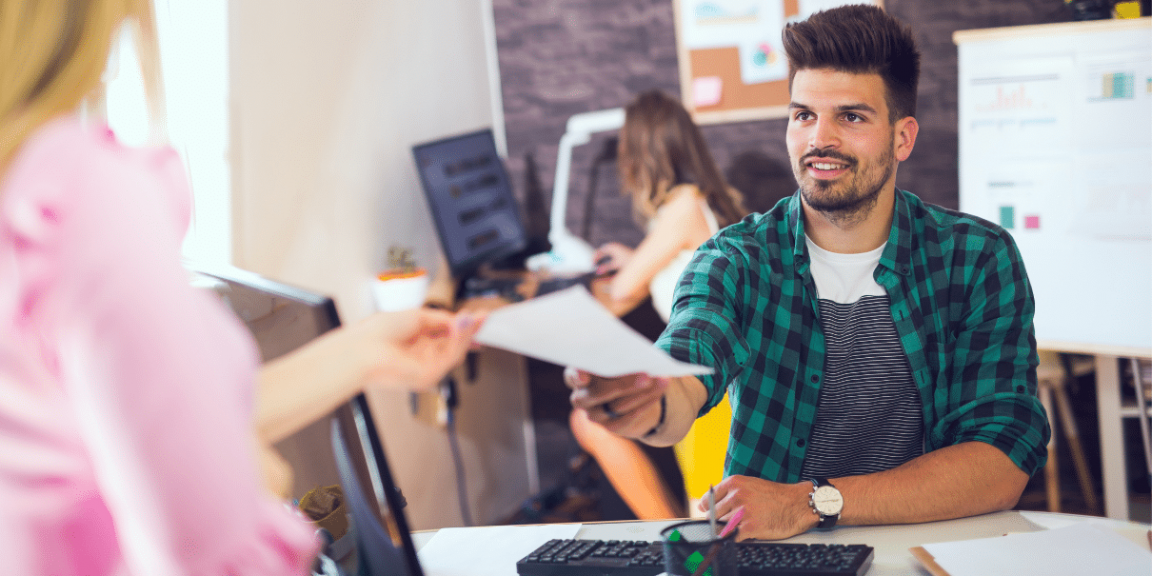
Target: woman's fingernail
{"points": [[464, 321]]}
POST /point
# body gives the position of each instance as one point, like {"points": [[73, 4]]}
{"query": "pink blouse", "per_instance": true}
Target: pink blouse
{"points": [[126, 434]]}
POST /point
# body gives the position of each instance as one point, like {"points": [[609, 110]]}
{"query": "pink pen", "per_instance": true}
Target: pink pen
{"points": [[733, 522]]}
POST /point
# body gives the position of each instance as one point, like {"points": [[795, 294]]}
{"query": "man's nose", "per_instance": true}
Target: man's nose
{"points": [[824, 135]]}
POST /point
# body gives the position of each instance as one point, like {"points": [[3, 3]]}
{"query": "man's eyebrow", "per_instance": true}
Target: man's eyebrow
{"points": [[858, 107]]}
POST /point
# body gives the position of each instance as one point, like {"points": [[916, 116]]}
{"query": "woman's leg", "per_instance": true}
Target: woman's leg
{"points": [[629, 469]]}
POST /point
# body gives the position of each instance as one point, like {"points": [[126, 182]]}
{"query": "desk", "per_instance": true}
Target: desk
{"points": [[891, 542]]}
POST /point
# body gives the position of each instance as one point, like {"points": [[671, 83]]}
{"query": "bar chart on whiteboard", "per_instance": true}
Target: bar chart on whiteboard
{"points": [[1056, 148]]}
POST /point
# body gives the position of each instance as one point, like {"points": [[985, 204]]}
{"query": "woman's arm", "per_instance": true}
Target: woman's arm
{"points": [[411, 350], [680, 225]]}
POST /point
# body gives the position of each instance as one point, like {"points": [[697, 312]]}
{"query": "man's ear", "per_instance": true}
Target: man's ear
{"points": [[904, 138]]}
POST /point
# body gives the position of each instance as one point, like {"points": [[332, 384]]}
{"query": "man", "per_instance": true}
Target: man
{"points": [[879, 353]]}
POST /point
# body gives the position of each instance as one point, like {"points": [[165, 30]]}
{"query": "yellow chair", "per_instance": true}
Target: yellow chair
{"points": [[701, 453]]}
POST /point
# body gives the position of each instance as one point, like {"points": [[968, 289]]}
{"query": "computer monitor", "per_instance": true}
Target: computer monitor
{"points": [[471, 200], [282, 318]]}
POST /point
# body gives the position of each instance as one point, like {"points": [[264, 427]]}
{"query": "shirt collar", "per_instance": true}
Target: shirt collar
{"points": [[897, 255], [796, 224]]}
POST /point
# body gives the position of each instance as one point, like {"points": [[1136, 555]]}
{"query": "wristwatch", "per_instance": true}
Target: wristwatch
{"points": [[826, 502]]}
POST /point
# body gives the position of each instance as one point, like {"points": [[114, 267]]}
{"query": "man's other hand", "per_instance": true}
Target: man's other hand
{"points": [[772, 511]]}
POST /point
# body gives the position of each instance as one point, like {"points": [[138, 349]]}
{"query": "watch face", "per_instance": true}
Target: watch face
{"points": [[827, 501]]}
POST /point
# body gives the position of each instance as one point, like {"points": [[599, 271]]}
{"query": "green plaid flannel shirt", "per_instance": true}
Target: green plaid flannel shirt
{"points": [[958, 294]]}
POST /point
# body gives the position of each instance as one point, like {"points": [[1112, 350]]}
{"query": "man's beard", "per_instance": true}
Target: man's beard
{"points": [[845, 201]]}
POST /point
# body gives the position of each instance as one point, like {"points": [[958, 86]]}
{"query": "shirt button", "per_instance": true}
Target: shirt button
{"points": [[905, 269], [1020, 389], [815, 378], [800, 442]]}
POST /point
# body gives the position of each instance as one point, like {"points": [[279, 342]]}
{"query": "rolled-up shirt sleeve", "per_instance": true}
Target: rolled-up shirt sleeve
{"points": [[993, 370], [705, 325]]}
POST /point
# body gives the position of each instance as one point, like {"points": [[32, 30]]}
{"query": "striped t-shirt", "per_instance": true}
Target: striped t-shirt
{"points": [[868, 416]]}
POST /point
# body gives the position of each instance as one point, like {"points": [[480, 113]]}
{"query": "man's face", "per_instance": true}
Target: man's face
{"points": [[840, 141]]}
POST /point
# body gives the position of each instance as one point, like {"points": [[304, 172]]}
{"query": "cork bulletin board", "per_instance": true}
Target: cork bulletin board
{"points": [[732, 64]]}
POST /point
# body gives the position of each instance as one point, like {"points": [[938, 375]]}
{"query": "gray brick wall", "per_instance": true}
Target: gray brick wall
{"points": [[561, 57]]}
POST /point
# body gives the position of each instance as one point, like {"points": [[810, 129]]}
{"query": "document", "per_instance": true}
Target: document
{"points": [[571, 328], [487, 550], [1080, 549]]}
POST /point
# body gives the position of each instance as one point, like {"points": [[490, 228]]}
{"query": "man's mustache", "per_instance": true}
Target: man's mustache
{"points": [[830, 154]]}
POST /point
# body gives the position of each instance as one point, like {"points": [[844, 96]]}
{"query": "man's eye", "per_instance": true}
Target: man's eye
{"points": [[853, 117], [803, 115]]}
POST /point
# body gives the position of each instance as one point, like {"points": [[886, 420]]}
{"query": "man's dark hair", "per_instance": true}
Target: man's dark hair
{"points": [[859, 39]]}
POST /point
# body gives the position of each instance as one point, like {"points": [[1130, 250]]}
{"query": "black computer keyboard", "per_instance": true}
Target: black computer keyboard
{"points": [[634, 558]]}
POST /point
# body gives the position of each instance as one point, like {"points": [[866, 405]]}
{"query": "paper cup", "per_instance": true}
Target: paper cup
{"points": [[394, 291]]}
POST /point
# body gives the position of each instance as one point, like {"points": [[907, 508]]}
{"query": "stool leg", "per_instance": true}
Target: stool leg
{"points": [[1145, 415], [1051, 469], [1072, 434]]}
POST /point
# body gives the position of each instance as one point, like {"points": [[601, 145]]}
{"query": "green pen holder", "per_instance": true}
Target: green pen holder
{"points": [[692, 549]]}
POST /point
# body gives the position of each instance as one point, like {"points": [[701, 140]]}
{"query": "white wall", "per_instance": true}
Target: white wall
{"points": [[327, 100]]}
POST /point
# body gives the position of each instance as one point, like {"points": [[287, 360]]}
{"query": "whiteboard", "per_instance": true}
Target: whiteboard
{"points": [[1055, 126]]}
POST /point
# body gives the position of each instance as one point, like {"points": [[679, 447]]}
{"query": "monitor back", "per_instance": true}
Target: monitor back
{"points": [[282, 318], [343, 448]]}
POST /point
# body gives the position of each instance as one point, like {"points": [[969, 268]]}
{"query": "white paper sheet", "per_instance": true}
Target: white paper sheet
{"points": [[487, 550], [1077, 550], [571, 328]]}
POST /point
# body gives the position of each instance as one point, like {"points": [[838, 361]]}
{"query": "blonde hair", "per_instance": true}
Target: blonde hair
{"points": [[661, 148], [52, 57]]}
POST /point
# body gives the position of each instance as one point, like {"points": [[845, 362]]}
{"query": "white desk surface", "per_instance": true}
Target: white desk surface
{"points": [[891, 542]]}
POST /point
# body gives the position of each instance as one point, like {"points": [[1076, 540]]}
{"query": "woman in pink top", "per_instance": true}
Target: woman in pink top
{"points": [[127, 443]]}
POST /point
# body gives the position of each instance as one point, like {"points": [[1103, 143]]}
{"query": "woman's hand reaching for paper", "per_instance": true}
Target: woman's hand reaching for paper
{"points": [[412, 349], [407, 350]]}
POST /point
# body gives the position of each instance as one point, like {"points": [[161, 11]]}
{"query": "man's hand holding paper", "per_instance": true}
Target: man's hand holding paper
{"points": [[629, 405], [617, 376]]}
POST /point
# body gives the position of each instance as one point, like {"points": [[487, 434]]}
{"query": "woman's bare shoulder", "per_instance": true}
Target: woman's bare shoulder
{"points": [[684, 193]]}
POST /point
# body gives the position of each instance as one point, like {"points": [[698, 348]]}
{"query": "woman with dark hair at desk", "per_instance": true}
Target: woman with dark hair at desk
{"points": [[680, 195], [126, 427]]}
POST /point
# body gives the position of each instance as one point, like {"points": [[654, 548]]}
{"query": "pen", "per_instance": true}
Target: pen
{"points": [[712, 552], [712, 508], [733, 522]]}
